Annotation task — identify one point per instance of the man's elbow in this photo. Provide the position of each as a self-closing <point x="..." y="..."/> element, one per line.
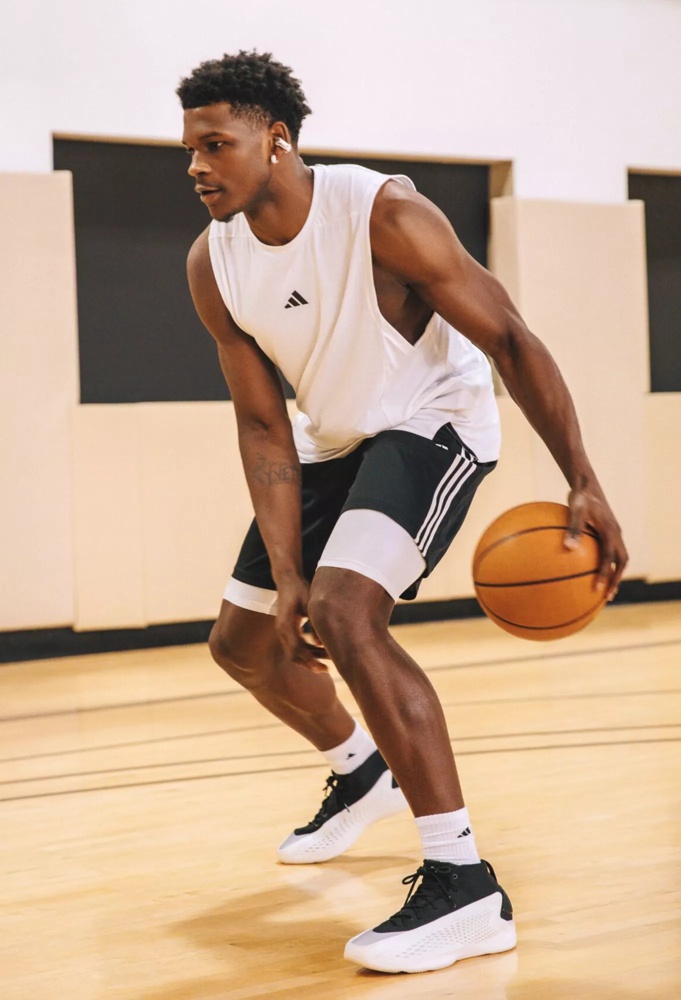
<point x="511" y="343"/>
<point x="263" y="427"/>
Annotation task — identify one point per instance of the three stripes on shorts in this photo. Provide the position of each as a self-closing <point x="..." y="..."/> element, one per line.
<point x="461" y="469"/>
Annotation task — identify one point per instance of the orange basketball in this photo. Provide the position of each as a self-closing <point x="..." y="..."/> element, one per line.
<point x="528" y="582"/>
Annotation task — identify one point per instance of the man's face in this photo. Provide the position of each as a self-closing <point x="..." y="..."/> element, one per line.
<point x="230" y="159"/>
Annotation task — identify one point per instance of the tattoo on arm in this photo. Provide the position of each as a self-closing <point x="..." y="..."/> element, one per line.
<point x="269" y="473"/>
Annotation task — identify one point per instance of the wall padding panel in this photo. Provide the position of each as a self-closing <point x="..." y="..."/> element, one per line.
<point x="580" y="273"/>
<point x="38" y="390"/>
<point x="663" y="426"/>
<point x="162" y="507"/>
<point x="109" y="530"/>
<point x="196" y="507"/>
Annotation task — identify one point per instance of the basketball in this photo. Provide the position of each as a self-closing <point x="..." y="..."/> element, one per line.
<point x="528" y="582"/>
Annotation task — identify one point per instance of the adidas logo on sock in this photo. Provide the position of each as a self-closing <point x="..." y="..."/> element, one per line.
<point x="295" y="299"/>
<point x="464" y="833"/>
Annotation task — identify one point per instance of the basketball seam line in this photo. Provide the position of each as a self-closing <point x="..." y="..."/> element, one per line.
<point x="529" y="531"/>
<point x="540" y="628"/>
<point x="532" y="583"/>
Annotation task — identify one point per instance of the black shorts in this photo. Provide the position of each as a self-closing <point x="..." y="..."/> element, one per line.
<point x="425" y="486"/>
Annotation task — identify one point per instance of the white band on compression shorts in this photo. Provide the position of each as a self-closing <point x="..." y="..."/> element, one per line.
<point x="374" y="545"/>
<point x="364" y="541"/>
<point x="251" y="598"/>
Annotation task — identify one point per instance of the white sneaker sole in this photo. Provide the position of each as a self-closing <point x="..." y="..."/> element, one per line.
<point x="476" y="929"/>
<point x="341" y="831"/>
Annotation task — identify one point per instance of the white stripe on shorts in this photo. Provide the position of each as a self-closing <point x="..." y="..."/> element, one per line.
<point x="459" y="471"/>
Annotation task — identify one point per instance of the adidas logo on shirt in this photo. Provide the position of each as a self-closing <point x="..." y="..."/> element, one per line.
<point x="296" y="299"/>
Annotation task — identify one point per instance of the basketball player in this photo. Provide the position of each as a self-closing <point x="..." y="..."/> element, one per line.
<point x="357" y="289"/>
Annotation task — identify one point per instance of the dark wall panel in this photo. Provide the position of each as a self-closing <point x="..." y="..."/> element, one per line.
<point x="662" y="197"/>
<point x="136" y="215"/>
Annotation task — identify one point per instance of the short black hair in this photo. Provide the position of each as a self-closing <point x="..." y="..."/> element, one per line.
<point x="254" y="84"/>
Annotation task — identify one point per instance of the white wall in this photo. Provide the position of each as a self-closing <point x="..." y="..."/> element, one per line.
<point x="573" y="91"/>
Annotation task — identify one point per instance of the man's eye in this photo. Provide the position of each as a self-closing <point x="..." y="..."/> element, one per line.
<point x="214" y="146"/>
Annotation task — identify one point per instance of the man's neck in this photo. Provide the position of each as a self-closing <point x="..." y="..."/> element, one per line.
<point x="283" y="213"/>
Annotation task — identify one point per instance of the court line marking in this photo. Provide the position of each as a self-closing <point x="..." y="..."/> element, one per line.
<point x="310" y="750"/>
<point x="317" y="765"/>
<point x="524" y="699"/>
<point x="140" y="743"/>
<point x="543" y="657"/>
<point x="568" y="654"/>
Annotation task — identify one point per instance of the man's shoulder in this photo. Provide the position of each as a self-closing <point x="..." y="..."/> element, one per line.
<point x="397" y="205"/>
<point x="356" y="174"/>
<point x="199" y="253"/>
<point x="351" y="189"/>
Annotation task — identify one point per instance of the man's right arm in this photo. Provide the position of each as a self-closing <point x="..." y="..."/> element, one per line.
<point x="266" y="444"/>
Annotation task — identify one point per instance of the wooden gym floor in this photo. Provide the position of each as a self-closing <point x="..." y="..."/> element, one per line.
<point x="143" y="795"/>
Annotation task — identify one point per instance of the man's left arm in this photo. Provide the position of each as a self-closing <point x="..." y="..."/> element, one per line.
<point x="413" y="240"/>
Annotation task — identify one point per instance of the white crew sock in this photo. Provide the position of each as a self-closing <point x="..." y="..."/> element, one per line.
<point x="448" y="837"/>
<point x="348" y="756"/>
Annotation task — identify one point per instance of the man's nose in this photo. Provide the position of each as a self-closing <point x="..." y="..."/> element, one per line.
<point x="196" y="167"/>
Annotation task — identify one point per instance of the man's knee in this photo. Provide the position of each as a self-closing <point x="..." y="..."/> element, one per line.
<point x="220" y="644"/>
<point x="347" y="610"/>
<point x="329" y="614"/>
<point x="239" y="651"/>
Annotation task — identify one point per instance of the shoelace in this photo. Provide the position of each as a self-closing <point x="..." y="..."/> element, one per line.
<point x="332" y="793"/>
<point x="436" y="883"/>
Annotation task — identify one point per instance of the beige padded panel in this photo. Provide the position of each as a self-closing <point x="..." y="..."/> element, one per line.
<point x="581" y="277"/>
<point x="161" y="511"/>
<point x="196" y="507"/>
<point x="504" y="259"/>
<point x="663" y="427"/>
<point x="38" y="389"/>
<point x="109" y="535"/>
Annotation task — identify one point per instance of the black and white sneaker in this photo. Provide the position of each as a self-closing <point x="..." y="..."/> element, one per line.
<point x="352" y="803"/>
<point x="458" y="911"/>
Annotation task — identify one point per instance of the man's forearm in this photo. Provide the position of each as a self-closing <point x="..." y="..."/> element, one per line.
<point x="273" y="475"/>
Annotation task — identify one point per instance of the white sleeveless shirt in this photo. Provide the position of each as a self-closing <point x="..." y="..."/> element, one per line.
<point x="311" y="306"/>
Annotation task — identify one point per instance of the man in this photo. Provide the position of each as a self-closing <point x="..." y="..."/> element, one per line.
<point x="358" y="290"/>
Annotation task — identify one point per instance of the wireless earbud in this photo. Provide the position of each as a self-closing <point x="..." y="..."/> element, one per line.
<point x="283" y="144"/>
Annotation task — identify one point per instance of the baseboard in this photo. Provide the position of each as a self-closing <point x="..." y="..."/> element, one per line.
<point x="42" y="644"/>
